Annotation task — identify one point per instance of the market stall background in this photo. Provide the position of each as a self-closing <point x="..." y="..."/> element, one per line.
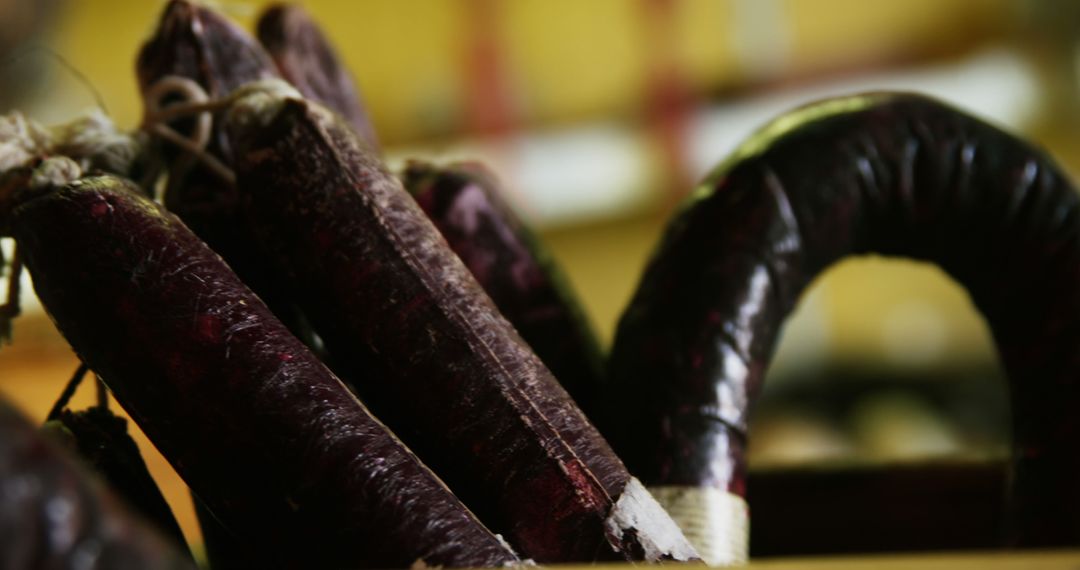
<point x="599" y="117"/>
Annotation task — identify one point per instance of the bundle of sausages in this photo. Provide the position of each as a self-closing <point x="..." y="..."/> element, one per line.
<point x="349" y="371"/>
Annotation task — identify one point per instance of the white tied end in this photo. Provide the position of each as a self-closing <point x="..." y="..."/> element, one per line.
<point x="94" y="141"/>
<point x="54" y="172"/>
<point x="21" y="140"/>
<point x="251" y="103"/>
<point x="715" y="521"/>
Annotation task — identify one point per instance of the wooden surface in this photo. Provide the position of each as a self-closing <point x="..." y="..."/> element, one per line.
<point x="962" y="561"/>
<point x="1042" y="560"/>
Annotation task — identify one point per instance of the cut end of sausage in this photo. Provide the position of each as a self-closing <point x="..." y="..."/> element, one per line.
<point x="637" y="521"/>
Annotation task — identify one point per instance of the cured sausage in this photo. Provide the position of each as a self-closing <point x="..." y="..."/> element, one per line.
<point x="306" y="59"/>
<point x="464" y="202"/>
<point x="425" y="346"/>
<point x="263" y="433"/>
<point x="895" y="174"/>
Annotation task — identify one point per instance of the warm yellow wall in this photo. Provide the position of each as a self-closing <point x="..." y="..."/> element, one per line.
<point x="566" y="59"/>
<point x="852" y="30"/>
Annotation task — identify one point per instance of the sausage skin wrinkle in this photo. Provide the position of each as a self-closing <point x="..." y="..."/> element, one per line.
<point x="464" y="202"/>
<point x="433" y="356"/>
<point x="895" y="174"/>
<point x="263" y="433"/>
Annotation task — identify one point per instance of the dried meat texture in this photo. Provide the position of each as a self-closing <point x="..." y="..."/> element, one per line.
<point x="465" y="203"/>
<point x="195" y="42"/>
<point x="424" y="344"/>
<point x="263" y="433"/>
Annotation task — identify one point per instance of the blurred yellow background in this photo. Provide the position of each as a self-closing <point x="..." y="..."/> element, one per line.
<point x="568" y="60"/>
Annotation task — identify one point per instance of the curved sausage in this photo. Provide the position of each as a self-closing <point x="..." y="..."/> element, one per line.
<point x="895" y="174"/>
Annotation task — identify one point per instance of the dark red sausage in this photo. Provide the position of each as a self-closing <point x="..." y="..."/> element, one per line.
<point x="885" y="173"/>
<point x="54" y="515"/>
<point x="195" y="42"/>
<point x="431" y="353"/>
<point x="306" y="59"/>
<point x="261" y="431"/>
<point x="520" y="276"/>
